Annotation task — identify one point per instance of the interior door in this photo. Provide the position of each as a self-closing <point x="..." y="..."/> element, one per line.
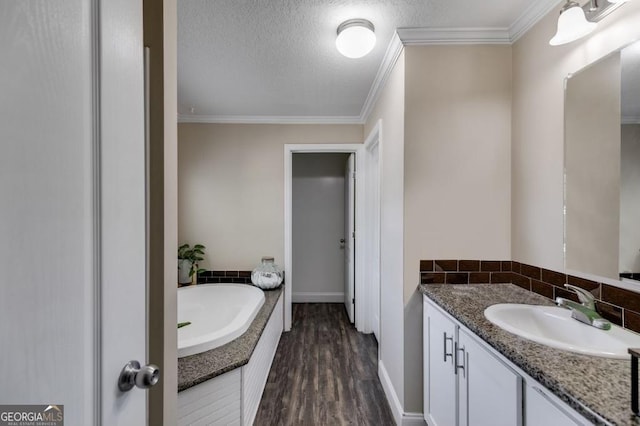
<point x="72" y="215"/>
<point x="349" y="236"/>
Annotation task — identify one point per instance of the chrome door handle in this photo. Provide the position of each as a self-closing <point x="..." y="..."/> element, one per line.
<point x="445" y="338"/>
<point x="142" y="377"/>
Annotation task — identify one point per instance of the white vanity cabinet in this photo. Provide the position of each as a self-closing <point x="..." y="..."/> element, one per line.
<point x="544" y="409"/>
<point x="464" y="383"/>
<point x="468" y="383"/>
<point x="440" y="391"/>
<point x="490" y="393"/>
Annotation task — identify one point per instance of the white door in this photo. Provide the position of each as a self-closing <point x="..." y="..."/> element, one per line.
<point x="349" y="236"/>
<point x="72" y="206"/>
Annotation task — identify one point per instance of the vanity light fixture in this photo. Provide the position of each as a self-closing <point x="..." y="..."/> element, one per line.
<point x="577" y="21"/>
<point x="572" y="24"/>
<point x="356" y="38"/>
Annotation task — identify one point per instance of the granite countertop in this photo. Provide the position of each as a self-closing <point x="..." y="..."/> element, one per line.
<point x="198" y="368"/>
<point x="597" y="388"/>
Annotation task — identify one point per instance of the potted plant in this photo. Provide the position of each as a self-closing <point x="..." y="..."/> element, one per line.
<point x="188" y="258"/>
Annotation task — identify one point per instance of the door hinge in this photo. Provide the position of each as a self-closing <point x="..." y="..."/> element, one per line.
<point x="353" y="301"/>
<point x="354" y="175"/>
<point x="353" y="234"/>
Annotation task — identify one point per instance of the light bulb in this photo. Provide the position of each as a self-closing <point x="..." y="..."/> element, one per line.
<point x="355" y="38"/>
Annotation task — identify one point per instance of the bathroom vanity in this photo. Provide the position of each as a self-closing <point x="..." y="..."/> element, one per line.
<point x="477" y="373"/>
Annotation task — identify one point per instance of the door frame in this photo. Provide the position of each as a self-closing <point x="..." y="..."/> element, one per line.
<point x="371" y="228"/>
<point x="289" y="150"/>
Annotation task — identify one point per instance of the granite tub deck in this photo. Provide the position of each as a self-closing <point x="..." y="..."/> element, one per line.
<point x="597" y="388"/>
<point x="198" y="368"/>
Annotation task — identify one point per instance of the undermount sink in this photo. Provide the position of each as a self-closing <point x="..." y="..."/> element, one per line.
<point x="553" y="326"/>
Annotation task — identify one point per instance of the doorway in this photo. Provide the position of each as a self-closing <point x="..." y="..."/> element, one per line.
<point x="323" y="221"/>
<point x="292" y="283"/>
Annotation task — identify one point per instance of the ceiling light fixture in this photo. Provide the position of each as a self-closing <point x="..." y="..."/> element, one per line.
<point x="356" y="38"/>
<point x="572" y="24"/>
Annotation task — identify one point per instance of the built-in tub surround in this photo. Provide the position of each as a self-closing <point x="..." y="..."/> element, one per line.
<point x="618" y="305"/>
<point x="224" y="385"/>
<point x="199" y="368"/>
<point x="597" y="388"/>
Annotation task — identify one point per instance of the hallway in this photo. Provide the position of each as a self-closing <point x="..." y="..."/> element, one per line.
<point x="324" y="373"/>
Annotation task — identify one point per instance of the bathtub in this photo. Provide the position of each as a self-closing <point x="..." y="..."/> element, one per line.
<point x="218" y="314"/>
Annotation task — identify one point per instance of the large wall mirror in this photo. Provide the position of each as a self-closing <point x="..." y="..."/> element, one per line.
<point x="602" y="167"/>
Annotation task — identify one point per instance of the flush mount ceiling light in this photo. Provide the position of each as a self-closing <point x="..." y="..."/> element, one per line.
<point x="572" y="24"/>
<point x="356" y="38"/>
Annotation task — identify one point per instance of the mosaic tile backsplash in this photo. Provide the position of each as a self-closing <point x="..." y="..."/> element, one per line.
<point x="620" y="306"/>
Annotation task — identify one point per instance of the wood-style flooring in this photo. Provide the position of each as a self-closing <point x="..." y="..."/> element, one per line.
<point x="324" y="373"/>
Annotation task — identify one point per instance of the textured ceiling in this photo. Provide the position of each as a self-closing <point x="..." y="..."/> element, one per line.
<point x="277" y="58"/>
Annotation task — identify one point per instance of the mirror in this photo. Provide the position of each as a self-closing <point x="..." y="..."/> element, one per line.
<point x="602" y="167"/>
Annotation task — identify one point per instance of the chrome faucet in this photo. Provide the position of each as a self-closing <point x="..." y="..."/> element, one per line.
<point x="585" y="311"/>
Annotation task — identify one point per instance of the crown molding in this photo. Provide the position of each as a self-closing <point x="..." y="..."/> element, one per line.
<point x="530" y="17"/>
<point x="428" y="36"/>
<point x="394" y="49"/>
<point x="262" y="119"/>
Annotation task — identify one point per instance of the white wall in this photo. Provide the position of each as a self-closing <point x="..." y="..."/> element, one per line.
<point x="592" y="164"/>
<point x="457" y="201"/>
<point x="318" y="222"/>
<point x="630" y="199"/>
<point x="538" y="131"/>
<point x="390" y="109"/>
<point x="231" y="187"/>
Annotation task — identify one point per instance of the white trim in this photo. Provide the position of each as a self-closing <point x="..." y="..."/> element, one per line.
<point x="318" y="297"/>
<point x="428" y="36"/>
<point x="390" y="393"/>
<point x="530" y="17"/>
<point x="366" y="314"/>
<point x="265" y="119"/>
<point x="413" y="419"/>
<point x="394" y="49"/>
<point x="289" y="150"/>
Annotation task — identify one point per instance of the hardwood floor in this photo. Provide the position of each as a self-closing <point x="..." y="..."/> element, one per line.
<point x="324" y="373"/>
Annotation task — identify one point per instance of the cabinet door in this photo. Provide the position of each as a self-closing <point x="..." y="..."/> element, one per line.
<point x="490" y="392"/>
<point x="439" y="380"/>
<point x="540" y="410"/>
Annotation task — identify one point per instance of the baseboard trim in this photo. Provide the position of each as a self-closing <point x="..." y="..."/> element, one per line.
<point x="318" y="297"/>
<point x="390" y="393"/>
<point x="413" y="419"/>
<point x="401" y="418"/>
